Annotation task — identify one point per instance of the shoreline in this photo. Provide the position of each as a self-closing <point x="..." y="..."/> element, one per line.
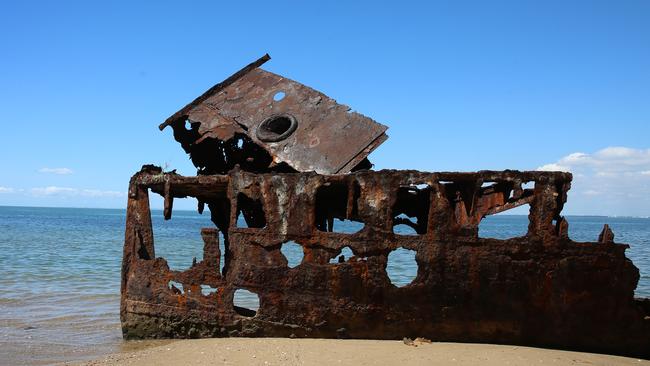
<point x="285" y="351"/>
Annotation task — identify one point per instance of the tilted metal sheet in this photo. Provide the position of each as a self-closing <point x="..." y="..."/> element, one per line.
<point x="329" y="137"/>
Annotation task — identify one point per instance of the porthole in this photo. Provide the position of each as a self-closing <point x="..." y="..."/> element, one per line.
<point x="277" y="128"/>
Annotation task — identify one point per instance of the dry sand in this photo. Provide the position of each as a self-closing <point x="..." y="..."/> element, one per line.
<point x="281" y="351"/>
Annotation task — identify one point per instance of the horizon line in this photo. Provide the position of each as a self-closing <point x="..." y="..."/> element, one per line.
<point x="187" y="210"/>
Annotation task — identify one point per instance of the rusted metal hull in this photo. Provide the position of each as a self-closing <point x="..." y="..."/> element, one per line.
<point x="541" y="289"/>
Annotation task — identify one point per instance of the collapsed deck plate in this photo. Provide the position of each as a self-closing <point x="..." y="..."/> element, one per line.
<point x="296" y="124"/>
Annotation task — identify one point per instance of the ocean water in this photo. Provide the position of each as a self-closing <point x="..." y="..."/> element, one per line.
<point x="59" y="289"/>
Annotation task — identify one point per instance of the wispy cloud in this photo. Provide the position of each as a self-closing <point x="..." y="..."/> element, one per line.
<point x="100" y="193"/>
<point x="608" y="162"/>
<point x="6" y="190"/>
<point x="57" y="171"/>
<point x="618" y="176"/>
<point x="52" y="190"/>
<point x="67" y="191"/>
<point x="554" y="167"/>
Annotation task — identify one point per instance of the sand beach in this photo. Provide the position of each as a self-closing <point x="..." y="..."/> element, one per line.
<point x="282" y="351"/>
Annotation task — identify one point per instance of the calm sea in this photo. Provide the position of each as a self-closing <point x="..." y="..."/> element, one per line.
<point x="59" y="289"/>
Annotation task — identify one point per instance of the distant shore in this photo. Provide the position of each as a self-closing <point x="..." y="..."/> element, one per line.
<point x="159" y="209"/>
<point x="280" y="351"/>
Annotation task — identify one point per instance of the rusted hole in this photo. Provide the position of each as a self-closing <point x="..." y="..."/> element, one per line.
<point x="176" y="287"/>
<point x="404" y="229"/>
<point x="183" y="132"/>
<point x="246" y="303"/>
<point x="222" y="248"/>
<point x="277" y="128"/>
<point x="240" y="221"/>
<point x="402" y="267"/>
<point x="505" y="188"/>
<point x="293" y="252"/>
<point x="486" y="186"/>
<point x="250" y="212"/>
<point x="143" y="253"/>
<point x="279" y="96"/>
<point x="411" y="210"/>
<point x="346" y="226"/>
<point x="519" y="190"/>
<point x="344" y="255"/>
<point x="528" y="185"/>
<point x="332" y="200"/>
<point x="503" y="225"/>
<point x="207" y="290"/>
<point x="179" y="240"/>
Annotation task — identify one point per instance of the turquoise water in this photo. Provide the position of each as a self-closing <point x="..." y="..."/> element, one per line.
<point x="59" y="297"/>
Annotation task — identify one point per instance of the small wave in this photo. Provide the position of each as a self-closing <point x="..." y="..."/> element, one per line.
<point x="10" y="301"/>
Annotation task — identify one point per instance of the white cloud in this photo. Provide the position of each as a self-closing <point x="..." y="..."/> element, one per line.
<point x="6" y="190"/>
<point x="57" y="171"/>
<point x="611" y="161"/>
<point x="618" y="176"/>
<point x="52" y="190"/>
<point x="619" y="152"/>
<point x="66" y="191"/>
<point x="576" y="158"/>
<point x="100" y="193"/>
<point x="554" y="168"/>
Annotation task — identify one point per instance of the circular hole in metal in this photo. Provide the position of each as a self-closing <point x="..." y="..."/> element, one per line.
<point x="276" y="128"/>
<point x="279" y="96"/>
<point x="402" y="268"/>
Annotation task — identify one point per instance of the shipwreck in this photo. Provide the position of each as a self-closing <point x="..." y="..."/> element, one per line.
<point x="293" y="162"/>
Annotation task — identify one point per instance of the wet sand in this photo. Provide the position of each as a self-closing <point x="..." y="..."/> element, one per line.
<point x="281" y="351"/>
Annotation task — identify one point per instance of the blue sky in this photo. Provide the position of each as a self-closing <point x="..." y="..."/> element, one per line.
<point x="462" y="85"/>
